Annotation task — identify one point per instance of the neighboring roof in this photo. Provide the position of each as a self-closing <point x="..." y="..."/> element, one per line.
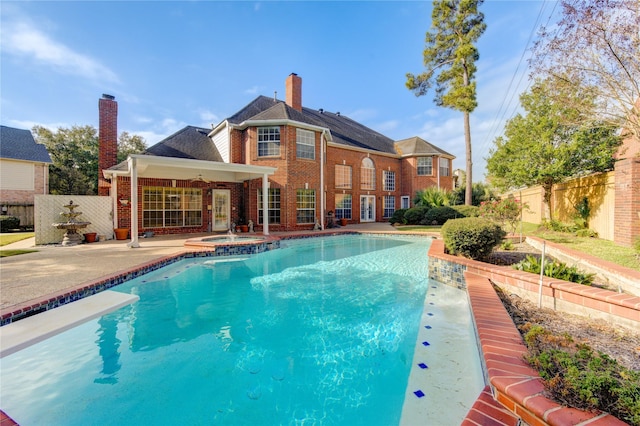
<point x="343" y="129"/>
<point x="190" y="142"/>
<point x="418" y="146"/>
<point x="18" y="144"/>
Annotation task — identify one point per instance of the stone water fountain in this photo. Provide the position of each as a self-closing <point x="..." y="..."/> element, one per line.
<point x="71" y="226"/>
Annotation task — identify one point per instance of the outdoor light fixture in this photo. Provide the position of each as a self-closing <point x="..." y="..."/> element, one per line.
<point x="124" y="201"/>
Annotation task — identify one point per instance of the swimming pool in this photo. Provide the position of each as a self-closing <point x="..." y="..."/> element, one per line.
<point x="320" y="331"/>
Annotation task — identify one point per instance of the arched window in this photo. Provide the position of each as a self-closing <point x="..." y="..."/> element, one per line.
<point x="367" y="174"/>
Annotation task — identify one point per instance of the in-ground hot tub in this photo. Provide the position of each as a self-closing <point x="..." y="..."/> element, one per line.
<point x="233" y="244"/>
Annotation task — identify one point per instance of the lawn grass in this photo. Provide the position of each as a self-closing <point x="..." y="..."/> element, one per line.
<point x="14" y="237"/>
<point x="418" y="228"/>
<point x="602" y="249"/>
<point x="15" y="252"/>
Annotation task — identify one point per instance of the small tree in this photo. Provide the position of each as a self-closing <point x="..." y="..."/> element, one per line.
<point x="432" y="197"/>
<point x="506" y="212"/>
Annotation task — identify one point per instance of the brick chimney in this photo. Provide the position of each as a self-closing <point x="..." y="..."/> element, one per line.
<point x="107" y="139"/>
<point x="293" y="87"/>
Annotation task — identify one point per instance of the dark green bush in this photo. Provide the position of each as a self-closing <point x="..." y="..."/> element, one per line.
<point x="9" y="223"/>
<point x="471" y="237"/>
<point x="439" y="215"/>
<point x="554" y="269"/>
<point x="577" y="376"/>
<point x="467" y="211"/>
<point x="398" y="217"/>
<point x="414" y="215"/>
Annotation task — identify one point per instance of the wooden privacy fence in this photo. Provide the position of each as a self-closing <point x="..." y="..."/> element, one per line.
<point x="24" y="212"/>
<point x="599" y="189"/>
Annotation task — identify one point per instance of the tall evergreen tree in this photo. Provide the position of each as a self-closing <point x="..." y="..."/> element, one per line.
<point x="449" y="58"/>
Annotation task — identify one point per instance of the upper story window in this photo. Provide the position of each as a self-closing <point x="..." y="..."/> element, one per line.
<point x="425" y="166"/>
<point x="367" y="174"/>
<point x="444" y="167"/>
<point x="268" y="141"/>
<point x="343" y="176"/>
<point x="305" y="144"/>
<point x="389" y="178"/>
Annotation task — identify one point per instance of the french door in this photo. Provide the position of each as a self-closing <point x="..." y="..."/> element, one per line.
<point x="221" y="209"/>
<point x="367" y="208"/>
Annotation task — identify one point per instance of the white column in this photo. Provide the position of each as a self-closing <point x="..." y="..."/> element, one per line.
<point x="265" y="204"/>
<point x="133" y="169"/>
<point x="322" y="200"/>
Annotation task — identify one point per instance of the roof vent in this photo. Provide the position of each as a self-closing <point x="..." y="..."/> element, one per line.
<point x="338" y="113"/>
<point x="275" y="96"/>
<point x="321" y="111"/>
<point x="110" y="97"/>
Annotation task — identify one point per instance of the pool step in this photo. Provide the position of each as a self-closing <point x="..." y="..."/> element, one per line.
<point x="26" y="332"/>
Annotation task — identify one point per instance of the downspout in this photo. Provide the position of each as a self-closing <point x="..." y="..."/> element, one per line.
<point x="265" y="204"/>
<point x="114" y="200"/>
<point x="323" y="203"/>
<point x="438" y="169"/>
<point x="133" y="168"/>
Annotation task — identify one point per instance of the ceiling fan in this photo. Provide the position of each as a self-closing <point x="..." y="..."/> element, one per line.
<point x="199" y="178"/>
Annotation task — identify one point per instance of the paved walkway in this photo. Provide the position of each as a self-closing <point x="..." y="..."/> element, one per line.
<point x="53" y="269"/>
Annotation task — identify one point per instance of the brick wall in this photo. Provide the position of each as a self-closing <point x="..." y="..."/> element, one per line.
<point x="627" y="201"/>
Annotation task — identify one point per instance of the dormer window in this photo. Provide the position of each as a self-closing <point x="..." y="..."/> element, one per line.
<point x="268" y="141"/>
<point x="305" y="144"/>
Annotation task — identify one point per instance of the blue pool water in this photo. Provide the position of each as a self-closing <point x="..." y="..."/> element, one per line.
<point x="320" y="331"/>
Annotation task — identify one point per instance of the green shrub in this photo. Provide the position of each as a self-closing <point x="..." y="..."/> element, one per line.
<point x="414" y="215"/>
<point x="506" y="245"/>
<point x="577" y="376"/>
<point x="439" y="215"/>
<point x="467" y="211"/>
<point x="9" y="223"/>
<point x="471" y="237"/>
<point x="398" y="217"/>
<point x="554" y="269"/>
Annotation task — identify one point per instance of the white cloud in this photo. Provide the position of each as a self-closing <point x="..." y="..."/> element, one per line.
<point x="252" y="90"/>
<point x="208" y="118"/>
<point x="21" y="38"/>
<point x="28" y="125"/>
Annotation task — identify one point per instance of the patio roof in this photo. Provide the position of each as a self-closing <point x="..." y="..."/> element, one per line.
<point x="152" y="166"/>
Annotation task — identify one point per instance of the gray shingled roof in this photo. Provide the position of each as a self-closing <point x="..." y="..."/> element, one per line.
<point x="343" y="129"/>
<point x="189" y="142"/>
<point x="417" y="146"/>
<point x="18" y="144"/>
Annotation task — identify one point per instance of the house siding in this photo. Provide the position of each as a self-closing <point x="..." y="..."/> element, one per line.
<point x="22" y="180"/>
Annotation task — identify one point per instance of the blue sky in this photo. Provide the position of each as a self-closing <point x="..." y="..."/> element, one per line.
<point x="176" y="63"/>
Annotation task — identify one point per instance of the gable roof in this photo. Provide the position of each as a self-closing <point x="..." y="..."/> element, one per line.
<point x="343" y="130"/>
<point x="417" y="146"/>
<point x="18" y="144"/>
<point x="190" y="142"/>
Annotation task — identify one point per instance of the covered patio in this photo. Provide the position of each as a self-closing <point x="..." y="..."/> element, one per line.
<point x="140" y="166"/>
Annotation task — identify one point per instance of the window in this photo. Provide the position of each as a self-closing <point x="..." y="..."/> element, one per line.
<point x="268" y="141"/>
<point x="305" y="144"/>
<point x="343" y="176"/>
<point x="389" y="180"/>
<point x="367" y="174"/>
<point x="171" y="207"/>
<point x="444" y="167"/>
<point x="343" y="206"/>
<point x="306" y="206"/>
<point x="425" y="166"/>
<point x="389" y="206"/>
<point x="404" y="202"/>
<point x="274" y="206"/>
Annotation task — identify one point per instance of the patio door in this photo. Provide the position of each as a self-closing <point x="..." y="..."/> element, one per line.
<point x="221" y="209"/>
<point x="367" y="208"/>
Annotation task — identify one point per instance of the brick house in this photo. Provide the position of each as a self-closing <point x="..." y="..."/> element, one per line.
<point x="24" y="173"/>
<point x="316" y="166"/>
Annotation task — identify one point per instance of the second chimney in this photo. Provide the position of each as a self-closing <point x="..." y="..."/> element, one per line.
<point x="107" y="139"/>
<point x="293" y="87"/>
